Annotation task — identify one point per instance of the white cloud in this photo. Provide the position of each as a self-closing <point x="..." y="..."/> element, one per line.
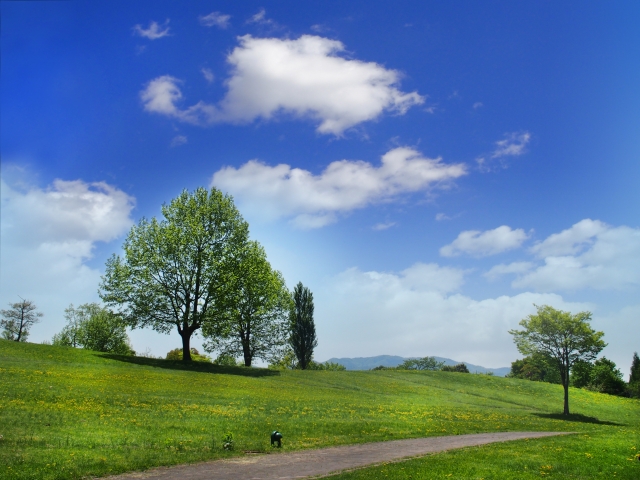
<point x="511" y="268"/>
<point x="482" y="244"/>
<point x="588" y="255"/>
<point x="383" y="226"/>
<point x="416" y="313"/>
<point x="260" y="18"/>
<point x="178" y="140"/>
<point x="477" y="105"/>
<point x="161" y="95"/>
<point x="305" y="77"/>
<point x="208" y="75"/>
<point x="571" y="240"/>
<point x="343" y="186"/>
<point x="215" y="19"/>
<point x="48" y="235"/>
<point x="154" y="31"/>
<point x="513" y="144"/>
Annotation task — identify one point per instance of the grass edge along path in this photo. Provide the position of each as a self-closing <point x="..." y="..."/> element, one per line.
<point x="325" y="461"/>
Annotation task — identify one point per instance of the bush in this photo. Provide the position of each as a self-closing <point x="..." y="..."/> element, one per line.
<point x="176" y="354"/>
<point x="460" y="368"/>
<point x="606" y="378"/>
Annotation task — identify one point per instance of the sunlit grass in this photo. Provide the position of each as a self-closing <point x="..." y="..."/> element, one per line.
<point x="67" y="413"/>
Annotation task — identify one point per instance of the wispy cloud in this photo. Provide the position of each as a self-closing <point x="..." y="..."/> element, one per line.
<point x="154" y="31"/>
<point x="383" y="226"/>
<point x="477" y="105"/>
<point x="178" y="140"/>
<point x="314" y="200"/>
<point x="483" y="244"/>
<point x="208" y="75"/>
<point x="215" y="19"/>
<point x="261" y="18"/>
<point x="513" y="144"/>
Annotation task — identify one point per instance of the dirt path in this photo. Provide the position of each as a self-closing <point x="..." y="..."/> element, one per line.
<point x="315" y="463"/>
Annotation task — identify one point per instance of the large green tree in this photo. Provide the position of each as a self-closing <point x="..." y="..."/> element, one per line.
<point x="302" y="338"/>
<point x="253" y="311"/>
<point x="563" y="337"/>
<point x="171" y="272"/>
<point x="18" y="320"/>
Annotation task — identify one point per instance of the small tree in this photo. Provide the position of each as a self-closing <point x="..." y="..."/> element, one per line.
<point x="171" y="272"/>
<point x="252" y="308"/>
<point x="536" y="367"/>
<point x="425" y="363"/>
<point x="607" y="378"/>
<point x="562" y="336"/>
<point x="460" y="368"/>
<point x="94" y="327"/>
<point x="634" y="376"/>
<point x="303" y="329"/>
<point x="18" y="320"/>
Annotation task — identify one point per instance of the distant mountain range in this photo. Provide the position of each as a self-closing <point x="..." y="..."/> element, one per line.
<point x="367" y="363"/>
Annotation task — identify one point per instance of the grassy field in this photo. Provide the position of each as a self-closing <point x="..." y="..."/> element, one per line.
<point x="68" y="413"/>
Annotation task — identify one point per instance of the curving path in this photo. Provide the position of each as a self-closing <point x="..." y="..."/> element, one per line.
<point x="315" y="463"/>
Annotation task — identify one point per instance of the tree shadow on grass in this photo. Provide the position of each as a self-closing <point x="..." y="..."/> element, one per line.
<point x="192" y="366"/>
<point x="576" y="417"/>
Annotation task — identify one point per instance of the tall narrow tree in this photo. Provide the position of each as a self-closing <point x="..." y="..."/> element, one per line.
<point x="634" y="377"/>
<point x="303" y="329"/>
<point x="171" y="271"/>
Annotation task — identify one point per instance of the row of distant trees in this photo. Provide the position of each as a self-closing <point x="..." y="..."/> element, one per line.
<point x="426" y="364"/>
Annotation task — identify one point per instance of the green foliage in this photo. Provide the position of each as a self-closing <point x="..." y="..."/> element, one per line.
<point x="634" y="376"/>
<point x="303" y="329"/>
<point x="536" y="367"/>
<point x="69" y="413"/>
<point x="564" y="337"/>
<point x="252" y="308"/>
<point x="425" y="363"/>
<point x="172" y="271"/>
<point x="225" y="359"/>
<point x="18" y="320"/>
<point x="607" y="378"/>
<point x="227" y="441"/>
<point x="328" y="366"/>
<point x="196" y="356"/>
<point x="286" y="361"/>
<point x="93" y="327"/>
<point x="581" y="374"/>
<point x="460" y="368"/>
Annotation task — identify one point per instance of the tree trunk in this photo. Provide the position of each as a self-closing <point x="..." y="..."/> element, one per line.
<point x="186" y="345"/>
<point x="566" y="398"/>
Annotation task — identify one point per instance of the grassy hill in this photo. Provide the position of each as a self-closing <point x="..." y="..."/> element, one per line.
<point x="68" y="413"/>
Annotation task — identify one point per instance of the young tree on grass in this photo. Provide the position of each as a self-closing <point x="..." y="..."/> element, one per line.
<point x="18" y="320"/>
<point x="303" y="329"/>
<point x="94" y="327"/>
<point x="253" y="308"/>
<point x="171" y="271"/>
<point x="564" y="337"/>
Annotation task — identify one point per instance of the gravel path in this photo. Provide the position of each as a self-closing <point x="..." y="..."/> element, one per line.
<point x="315" y="463"/>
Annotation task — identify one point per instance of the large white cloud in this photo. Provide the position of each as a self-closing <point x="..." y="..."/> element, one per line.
<point x="588" y="255"/>
<point x="305" y="77"/>
<point x="416" y="312"/>
<point x="48" y="235"/>
<point x="481" y="244"/>
<point x="313" y="200"/>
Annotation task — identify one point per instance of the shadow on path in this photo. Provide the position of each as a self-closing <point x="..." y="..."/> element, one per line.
<point x="193" y="366"/>
<point x="576" y="417"/>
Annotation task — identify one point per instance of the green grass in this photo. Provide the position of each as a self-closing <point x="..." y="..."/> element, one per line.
<point x="68" y="413"/>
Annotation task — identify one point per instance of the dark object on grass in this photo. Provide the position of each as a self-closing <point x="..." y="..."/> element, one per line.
<point x="461" y="368"/>
<point x="276" y="437"/>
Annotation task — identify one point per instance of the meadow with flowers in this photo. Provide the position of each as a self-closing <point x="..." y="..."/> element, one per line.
<point x="69" y="413"/>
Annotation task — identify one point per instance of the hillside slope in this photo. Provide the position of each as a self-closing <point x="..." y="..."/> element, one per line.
<point x="68" y="413"/>
<point x="367" y="363"/>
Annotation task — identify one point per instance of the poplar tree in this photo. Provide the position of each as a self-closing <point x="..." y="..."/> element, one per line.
<point x="303" y="329"/>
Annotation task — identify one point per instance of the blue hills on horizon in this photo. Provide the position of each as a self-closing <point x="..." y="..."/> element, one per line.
<point x="367" y="363"/>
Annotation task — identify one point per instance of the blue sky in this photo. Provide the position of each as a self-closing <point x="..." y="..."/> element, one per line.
<point x="429" y="169"/>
